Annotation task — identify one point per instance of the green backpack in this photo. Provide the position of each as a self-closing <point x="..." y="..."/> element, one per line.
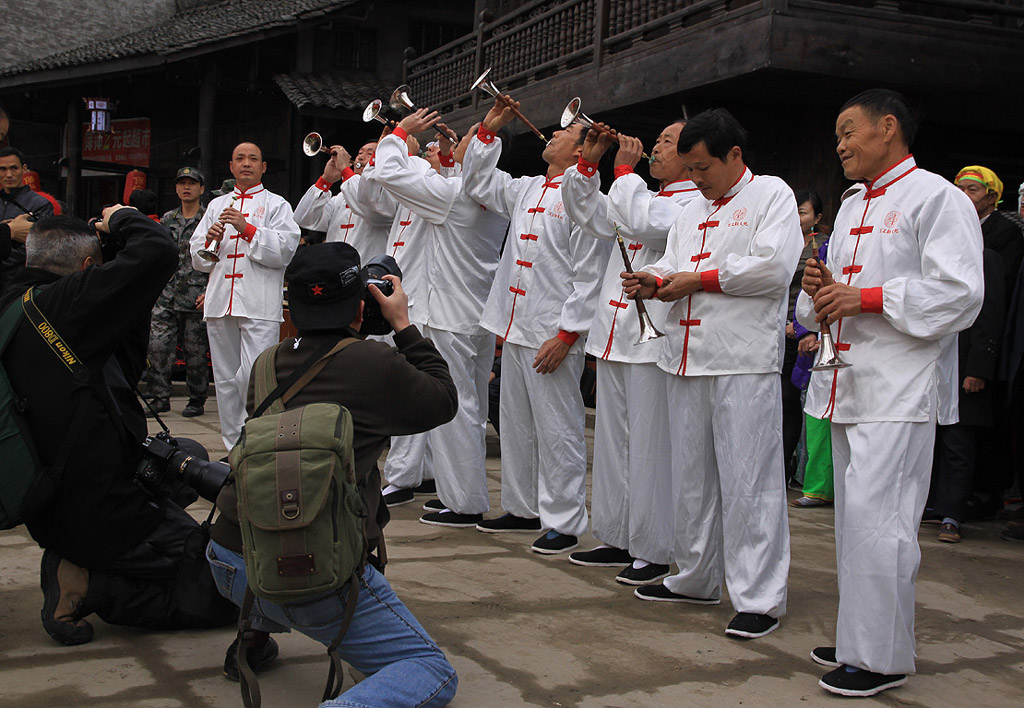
<point x="299" y="509"/>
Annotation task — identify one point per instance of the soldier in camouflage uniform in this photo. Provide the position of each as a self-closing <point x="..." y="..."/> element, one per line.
<point x="179" y="308"/>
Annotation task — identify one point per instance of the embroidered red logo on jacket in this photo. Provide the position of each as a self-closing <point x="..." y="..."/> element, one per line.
<point x="740" y="214"/>
<point x="892" y="220"/>
<point x="557" y="211"/>
<point x="260" y="211"/>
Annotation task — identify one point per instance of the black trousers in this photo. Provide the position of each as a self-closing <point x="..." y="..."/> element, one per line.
<point x="956" y="454"/>
<point x="156" y="584"/>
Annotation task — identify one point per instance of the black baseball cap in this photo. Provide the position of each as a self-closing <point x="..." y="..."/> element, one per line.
<point x="190" y="173"/>
<point x="324" y="287"/>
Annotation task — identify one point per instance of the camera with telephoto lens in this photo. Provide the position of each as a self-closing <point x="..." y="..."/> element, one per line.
<point x="164" y="462"/>
<point x="373" y="274"/>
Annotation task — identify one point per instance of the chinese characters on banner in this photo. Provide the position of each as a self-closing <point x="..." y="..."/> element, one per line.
<point x="128" y="144"/>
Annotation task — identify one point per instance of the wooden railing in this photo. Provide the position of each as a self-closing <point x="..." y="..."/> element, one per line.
<point x="546" y="37"/>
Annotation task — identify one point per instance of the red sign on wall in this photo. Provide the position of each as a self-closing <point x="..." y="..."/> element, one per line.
<point x="128" y="144"/>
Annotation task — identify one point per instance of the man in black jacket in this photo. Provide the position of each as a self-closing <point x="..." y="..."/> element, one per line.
<point x="110" y="547"/>
<point x="15" y="199"/>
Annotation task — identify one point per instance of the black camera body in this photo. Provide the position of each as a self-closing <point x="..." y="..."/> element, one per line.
<point x="373" y="274"/>
<point x="163" y="463"/>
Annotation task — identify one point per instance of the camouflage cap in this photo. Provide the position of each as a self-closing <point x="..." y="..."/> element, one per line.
<point x="191" y="173"/>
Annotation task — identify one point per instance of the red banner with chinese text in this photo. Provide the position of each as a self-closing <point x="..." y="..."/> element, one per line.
<point x="128" y="144"/>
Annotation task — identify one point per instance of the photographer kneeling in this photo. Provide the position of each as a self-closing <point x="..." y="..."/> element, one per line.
<point x="111" y="547"/>
<point x="388" y="392"/>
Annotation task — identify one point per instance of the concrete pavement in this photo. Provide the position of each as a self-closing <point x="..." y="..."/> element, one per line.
<point x="529" y="630"/>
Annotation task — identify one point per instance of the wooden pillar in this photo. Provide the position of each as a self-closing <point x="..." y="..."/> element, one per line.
<point x="207" y="101"/>
<point x="600" y="31"/>
<point x="72" y="189"/>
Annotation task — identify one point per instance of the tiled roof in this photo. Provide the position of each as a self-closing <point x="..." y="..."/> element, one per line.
<point x="187" y="29"/>
<point x="331" y="90"/>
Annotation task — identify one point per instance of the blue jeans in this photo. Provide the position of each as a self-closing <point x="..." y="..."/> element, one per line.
<point x="403" y="665"/>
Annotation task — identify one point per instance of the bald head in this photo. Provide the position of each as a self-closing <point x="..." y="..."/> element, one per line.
<point x="247" y="165"/>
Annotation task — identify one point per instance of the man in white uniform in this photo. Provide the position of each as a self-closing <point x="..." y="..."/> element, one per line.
<point x="463" y="241"/>
<point x="255" y="235"/>
<point x="319" y="211"/>
<point x="541" y="302"/>
<point x="729" y="261"/>
<point x="633" y="515"/>
<point x="906" y="258"/>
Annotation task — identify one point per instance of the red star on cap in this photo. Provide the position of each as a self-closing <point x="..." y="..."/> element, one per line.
<point x="317" y="290"/>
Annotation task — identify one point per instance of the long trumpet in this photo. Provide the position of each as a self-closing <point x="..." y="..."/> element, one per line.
<point x="211" y="249"/>
<point x="488" y="87"/>
<point x="573" y="114"/>
<point x="372" y="112"/>
<point x="401" y="101"/>
<point x="647" y="329"/>
<point x="828" y="354"/>
<point x="313" y="145"/>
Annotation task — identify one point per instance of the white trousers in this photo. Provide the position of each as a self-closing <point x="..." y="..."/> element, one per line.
<point x="632" y="481"/>
<point x="543" y="451"/>
<point x="409" y="461"/>
<point x="882" y="473"/>
<point x="235" y="342"/>
<point x="729" y="490"/>
<point x="459" y="448"/>
<point x="652" y="513"/>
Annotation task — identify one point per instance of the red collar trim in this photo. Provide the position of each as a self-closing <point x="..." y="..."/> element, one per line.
<point x="255" y="189"/>
<point x="876" y="183"/>
<point x="551" y="183"/>
<point x="738" y="185"/>
<point x="688" y="186"/>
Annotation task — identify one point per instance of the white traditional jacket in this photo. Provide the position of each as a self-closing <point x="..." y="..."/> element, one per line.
<point x="319" y="211"/>
<point x="407" y="239"/>
<point x="463" y="238"/>
<point x="745" y="247"/>
<point x="644" y="219"/>
<point x="248" y="281"/>
<point x="912" y="241"/>
<point x="547" y="281"/>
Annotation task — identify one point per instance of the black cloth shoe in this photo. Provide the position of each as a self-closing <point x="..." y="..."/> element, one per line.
<point x="660" y="593"/>
<point x="64" y="591"/>
<point x="398" y="497"/>
<point x="508" y="523"/>
<point x="553" y="542"/>
<point x="435" y="505"/>
<point x="859" y="682"/>
<point x="196" y="407"/>
<point x="650" y="573"/>
<point x="602" y="557"/>
<point x="259" y="657"/>
<point x="451" y="518"/>
<point x="826" y="656"/>
<point x="747" y="625"/>
<point x="160" y="405"/>
<point x="427" y="487"/>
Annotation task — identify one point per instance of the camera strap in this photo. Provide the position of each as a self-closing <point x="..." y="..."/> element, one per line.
<point x="45" y="330"/>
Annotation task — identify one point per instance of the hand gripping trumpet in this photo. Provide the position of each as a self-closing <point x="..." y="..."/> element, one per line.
<point x="400" y="101"/>
<point x="488" y="87"/>
<point x="573" y="114"/>
<point x="828" y="354"/>
<point x="211" y="250"/>
<point x="647" y="329"/>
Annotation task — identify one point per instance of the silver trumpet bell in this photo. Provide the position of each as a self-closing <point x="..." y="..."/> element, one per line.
<point x="486" y="85"/>
<point x="313" y="145"/>
<point x="211" y="253"/>
<point x="372" y="112"/>
<point x="573" y="114"/>
<point x="400" y="99"/>
<point x="828" y="355"/>
<point x="648" y="331"/>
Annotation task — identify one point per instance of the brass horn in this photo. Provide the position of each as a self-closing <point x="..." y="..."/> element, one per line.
<point x="313" y="145"/>
<point x="573" y="113"/>
<point x="401" y="101"/>
<point x="828" y="354"/>
<point x="647" y="329"/>
<point x="488" y="87"/>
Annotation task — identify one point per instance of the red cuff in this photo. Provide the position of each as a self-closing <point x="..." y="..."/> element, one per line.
<point x="249" y="232"/>
<point x="485" y="136"/>
<point x="323" y="185"/>
<point x="568" y="337"/>
<point x="399" y="132"/>
<point x="709" y="281"/>
<point x="871" y="300"/>
<point x="658" y="282"/>
<point x="586" y="168"/>
<point x="447" y="160"/>
<point x="621" y="170"/>
<point x="346" y="173"/>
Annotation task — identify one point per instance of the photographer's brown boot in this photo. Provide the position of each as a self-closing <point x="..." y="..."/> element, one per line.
<point x="64" y="588"/>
